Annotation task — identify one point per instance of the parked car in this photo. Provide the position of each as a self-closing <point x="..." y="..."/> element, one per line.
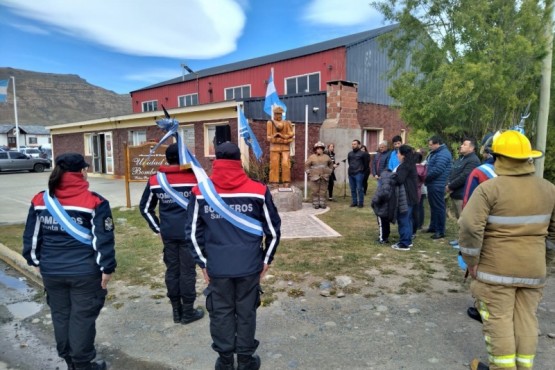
<point x="17" y="161"/>
<point x="32" y="152"/>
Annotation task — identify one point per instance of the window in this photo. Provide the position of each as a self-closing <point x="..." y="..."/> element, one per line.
<point x="136" y="137"/>
<point x="3" y="155"/>
<point x="87" y="139"/>
<point x="302" y="84"/>
<point x="238" y="92"/>
<point x="371" y="138"/>
<point x="17" y="155"/>
<point x="32" y="140"/>
<point x="150" y="106"/>
<point x="187" y="100"/>
<point x="209" y="136"/>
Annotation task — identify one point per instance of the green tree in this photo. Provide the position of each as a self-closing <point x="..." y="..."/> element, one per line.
<point x="474" y="64"/>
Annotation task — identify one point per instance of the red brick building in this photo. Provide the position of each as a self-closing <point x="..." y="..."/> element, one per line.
<point x="337" y="88"/>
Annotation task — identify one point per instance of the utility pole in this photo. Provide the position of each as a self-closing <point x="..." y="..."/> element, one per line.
<point x="545" y="91"/>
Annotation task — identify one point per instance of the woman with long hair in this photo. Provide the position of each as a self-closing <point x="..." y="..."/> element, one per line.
<point x="405" y="177"/>
<point x="69" y="238"/>
<point x="330" y="151"/>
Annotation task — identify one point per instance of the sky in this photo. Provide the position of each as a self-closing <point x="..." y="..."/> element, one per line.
<point x="125" y="45"/>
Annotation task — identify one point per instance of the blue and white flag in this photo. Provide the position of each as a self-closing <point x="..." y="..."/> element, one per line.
<point x="272" y="98"/>
<point x="246" y="133"/>
<point x="4" y="90"/>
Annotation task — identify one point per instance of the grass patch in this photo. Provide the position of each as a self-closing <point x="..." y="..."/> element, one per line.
<point x="305" y="262"/>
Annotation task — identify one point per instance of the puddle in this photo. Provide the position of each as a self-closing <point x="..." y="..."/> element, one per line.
<point x="22" y="310"/>
<point x="12" y="282"/>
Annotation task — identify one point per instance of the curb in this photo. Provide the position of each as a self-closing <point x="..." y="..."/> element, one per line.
<point x="17" y="262"/>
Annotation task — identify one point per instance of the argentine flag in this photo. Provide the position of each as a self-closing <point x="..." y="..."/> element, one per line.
<point x="3" y="90"/>
<point x="272" y="98"/>
<point x="247" y="134"/>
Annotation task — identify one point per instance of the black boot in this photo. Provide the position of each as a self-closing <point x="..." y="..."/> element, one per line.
<point x="177" y="310"/>
<point x="69" y="363"/>
<point x="247" y="362"/>
<point x="224" y="362"/>
<point x="191" y="314"/>
<point x="95" y="365"/>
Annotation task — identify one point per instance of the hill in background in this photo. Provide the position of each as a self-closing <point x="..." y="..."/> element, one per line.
<point x="49" y="99"/>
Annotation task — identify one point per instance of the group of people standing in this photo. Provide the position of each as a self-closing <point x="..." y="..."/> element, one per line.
<point x="69" y="238"/>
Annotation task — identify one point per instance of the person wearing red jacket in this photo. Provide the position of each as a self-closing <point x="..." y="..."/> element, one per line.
<point x="233" y="257"/>
<point x="169" y="189"/>
<point x="75" y="265"/>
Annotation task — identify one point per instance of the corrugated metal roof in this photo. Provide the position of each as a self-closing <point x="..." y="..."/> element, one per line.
<point x="344" y="41"/>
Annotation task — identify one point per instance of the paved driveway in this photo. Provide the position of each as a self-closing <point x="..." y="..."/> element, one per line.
<point x="17" y="189"/>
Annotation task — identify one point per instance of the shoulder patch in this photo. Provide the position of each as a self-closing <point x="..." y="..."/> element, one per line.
<point x="108" y="224"/>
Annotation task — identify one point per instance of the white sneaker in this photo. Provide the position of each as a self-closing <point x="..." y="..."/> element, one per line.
<point x="401" y="247"/>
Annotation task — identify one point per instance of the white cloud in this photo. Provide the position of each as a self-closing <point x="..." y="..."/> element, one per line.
<point x="30" y="29"/>
<point x="169" y="28"/>
<point x="341" y="13"/>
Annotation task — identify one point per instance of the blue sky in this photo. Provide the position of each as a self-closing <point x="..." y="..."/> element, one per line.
<point x="125" y="45"/>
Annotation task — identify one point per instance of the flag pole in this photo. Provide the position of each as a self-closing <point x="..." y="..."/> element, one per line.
<point x="272" y="73"/>
<point x="15" y="114"/>
<point x="305" y="149"/>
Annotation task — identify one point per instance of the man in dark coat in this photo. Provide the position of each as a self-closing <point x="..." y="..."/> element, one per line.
<point x="459" y="173"/>
<point x="439" y="168"/>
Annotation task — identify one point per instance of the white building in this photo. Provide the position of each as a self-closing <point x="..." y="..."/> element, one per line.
<point x="29" y="135"/>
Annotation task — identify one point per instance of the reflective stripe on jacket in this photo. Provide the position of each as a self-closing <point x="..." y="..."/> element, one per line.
<point x="508" y="228"/>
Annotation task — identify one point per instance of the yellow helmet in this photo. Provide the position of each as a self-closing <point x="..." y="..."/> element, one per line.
<point x="513" y="144"/>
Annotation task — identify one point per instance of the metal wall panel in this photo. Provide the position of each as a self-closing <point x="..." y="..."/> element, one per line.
<point x="254" y="108"/>
<point x="367" y="65"/>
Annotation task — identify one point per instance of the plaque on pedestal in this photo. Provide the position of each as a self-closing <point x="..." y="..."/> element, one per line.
<point x="287" y="199"/>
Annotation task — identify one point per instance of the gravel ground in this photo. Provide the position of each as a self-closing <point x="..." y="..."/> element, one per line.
<point x="416" y="331"/>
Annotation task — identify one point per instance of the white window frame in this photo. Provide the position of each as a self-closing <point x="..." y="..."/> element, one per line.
<point x="233" y="91"/>
<point x="135" y="136"/>
<point x="209" y="135"/>
<point x="190" y="98"/>
<point x="152" y="105"/>
<point x="297" y="82"/>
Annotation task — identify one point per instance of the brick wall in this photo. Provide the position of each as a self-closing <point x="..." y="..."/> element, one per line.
<point x="381" y="116"/>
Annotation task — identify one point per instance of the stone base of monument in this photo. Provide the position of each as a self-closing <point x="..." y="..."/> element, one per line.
<point x="287" y="199"/>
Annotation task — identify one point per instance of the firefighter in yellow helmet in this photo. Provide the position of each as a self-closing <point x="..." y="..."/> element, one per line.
<point x="507" y="239"/>
<point x="280" y="135"/>
<point x="319" y="167"/>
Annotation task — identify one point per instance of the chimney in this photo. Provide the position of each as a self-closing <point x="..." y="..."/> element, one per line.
<point x="342" y="103"/>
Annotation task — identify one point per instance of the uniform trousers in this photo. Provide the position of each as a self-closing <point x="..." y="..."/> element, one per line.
<point x="318" y="189"/>
<point x="232" y="304"/>
<point x="181" y="275"/>
<point x="510" y="325"/>
<point x="75" y="303"/>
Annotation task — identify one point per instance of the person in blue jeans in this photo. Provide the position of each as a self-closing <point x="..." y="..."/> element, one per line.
<point x="405" y="177"/>
<point x="439" y="168"/>
<point x="358" y="163"/>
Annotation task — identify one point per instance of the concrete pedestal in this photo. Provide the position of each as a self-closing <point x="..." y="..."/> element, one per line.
<point x="287" y="199"/>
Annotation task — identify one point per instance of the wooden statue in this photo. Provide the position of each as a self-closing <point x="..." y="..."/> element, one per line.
<point x="280" y="135"/>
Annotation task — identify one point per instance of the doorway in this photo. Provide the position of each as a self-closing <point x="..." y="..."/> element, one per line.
<point x="102" y="153"/>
